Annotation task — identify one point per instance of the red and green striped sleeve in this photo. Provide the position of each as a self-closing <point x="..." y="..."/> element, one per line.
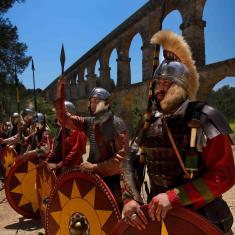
<point x="218" y="177"/>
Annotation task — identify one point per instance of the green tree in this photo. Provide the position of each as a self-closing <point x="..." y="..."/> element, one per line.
<point x="6" y="4"/>
<point x="12" y="52"/>
<point x="224" y="100"/>
<point x="13" y="60"/>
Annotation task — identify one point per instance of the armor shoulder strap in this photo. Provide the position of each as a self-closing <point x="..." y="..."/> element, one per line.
<point x="201" y="115"/>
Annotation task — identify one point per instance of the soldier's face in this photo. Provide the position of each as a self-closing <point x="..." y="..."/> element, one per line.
<point x="93" y="104"/>
<point x="161" y="88"/>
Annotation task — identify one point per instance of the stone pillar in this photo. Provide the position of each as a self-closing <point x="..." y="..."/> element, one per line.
<point x="123" y="71"/>
<point x="104" y="80"/>
<point x="73" y="87"/>
<point x="91" y="81"/>
<point x="104" y="72"/>
<point x="81" y="84"/>
<point x="193" y="33"/>
<point x="147" y="62"/>
<point x="193" y="30"/>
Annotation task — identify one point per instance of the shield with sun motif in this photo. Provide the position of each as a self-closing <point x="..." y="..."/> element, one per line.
<point x="81" y="204"/>
<point x="179" y="221"/>
<point x="8" y="156"/>
<point x="45" y="180"/>
<point x="20" y="187"/>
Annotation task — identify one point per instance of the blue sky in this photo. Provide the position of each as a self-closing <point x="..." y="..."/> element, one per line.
<point x="80" y="24"/>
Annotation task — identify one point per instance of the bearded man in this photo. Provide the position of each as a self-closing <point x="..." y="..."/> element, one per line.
<point x="107" y="135"/>
<point x="186" y="145"/>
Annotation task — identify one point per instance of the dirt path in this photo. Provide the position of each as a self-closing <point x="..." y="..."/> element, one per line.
<point x="13" y="223"/>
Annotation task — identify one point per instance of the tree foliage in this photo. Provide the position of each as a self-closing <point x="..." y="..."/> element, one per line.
<point x="224" y="100"/>
<point x="13" y="57"/>
<point x="5" y="5"/>
<point x="13" y="61"/>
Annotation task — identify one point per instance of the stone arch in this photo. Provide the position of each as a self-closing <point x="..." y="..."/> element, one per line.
<point x="211" y="74"/>
<point x="85" y="73"/>
<point x="175" y="16"/>
<point x="81" y="83"/>
<point x="91" y="76"/>
<point x="97" y="68"/>
<point x="129" y="38"/>
<point x="112" y="62"/>
<point x="136" y="56"/>
<point x="229" y="80"/>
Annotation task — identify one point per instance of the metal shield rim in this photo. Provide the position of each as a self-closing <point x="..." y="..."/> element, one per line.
<point x="94" y="178"/>
<point x="44" y="165"/>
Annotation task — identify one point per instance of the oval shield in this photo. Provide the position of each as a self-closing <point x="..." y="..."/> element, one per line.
<point x="179" y="221"/>
<point x="20" y="187"/>
<point x="81" y="204"/>
<point x="8" y="156"/>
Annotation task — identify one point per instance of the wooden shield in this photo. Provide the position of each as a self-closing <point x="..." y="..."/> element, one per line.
<point x="81" y="204"/>
<point x="45" y="180"/>
<point x="20" y="187"/>
<point x="180" y="221"/>
<point x="8" y="156"/>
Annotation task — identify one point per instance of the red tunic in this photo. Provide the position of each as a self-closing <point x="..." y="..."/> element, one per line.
<point x="218" y="177"/>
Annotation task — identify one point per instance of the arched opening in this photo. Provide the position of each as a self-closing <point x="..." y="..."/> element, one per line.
<point x="97" y="69"/>
<point x="135" y="53"/>
<point x="85" y="74"/>
<point x="113" y="65"/>
<point x="228" y="81"/>
<point x="173" y="21"/>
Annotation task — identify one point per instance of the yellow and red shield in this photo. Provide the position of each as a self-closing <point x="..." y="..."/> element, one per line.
<point x="8" y="156"/>
<point x="20" y="187"/>
<point x="81" y="204"/>
<point x="45" y="180"/>
<point x="179" y="221"/>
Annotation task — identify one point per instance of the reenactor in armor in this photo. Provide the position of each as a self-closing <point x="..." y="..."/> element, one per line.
<point x="13" y="140"/>
<point x="27" y="115"/>
<point x="107" y="135"/>
<point x="39" y="141"/>
<point x="3" y="134"/>
<point x="75" y="145"/>
<point x="8" y="127"/>
<point x="185" y="145"/>
<point x="21" y="125"/>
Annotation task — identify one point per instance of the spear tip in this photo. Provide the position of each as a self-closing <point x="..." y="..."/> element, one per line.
<point x="33" y="68"/>
<point x="62" y="58"/>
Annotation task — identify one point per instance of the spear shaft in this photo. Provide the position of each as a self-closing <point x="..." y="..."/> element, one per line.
<point x="35" y="96"/>
<point x="62" y="62"/>
<point x="17" y="91"/>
